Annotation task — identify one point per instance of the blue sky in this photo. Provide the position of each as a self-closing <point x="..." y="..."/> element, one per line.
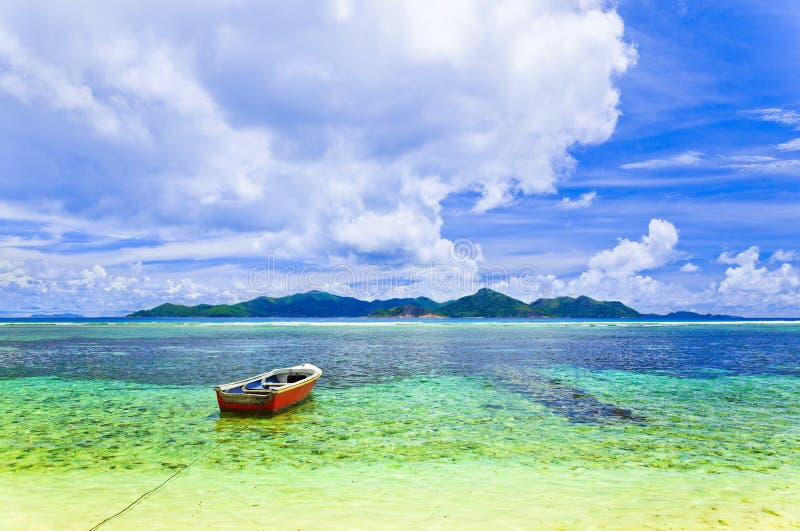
<point x="642" y="151"/>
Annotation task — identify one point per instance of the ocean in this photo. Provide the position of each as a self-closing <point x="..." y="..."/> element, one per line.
<point x="439" y="424"/>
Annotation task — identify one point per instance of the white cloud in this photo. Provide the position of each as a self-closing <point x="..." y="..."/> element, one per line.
<point x="750" y="158"/>
<point x="746" y="285"/>
<point x="90" y="277"/>
<point x="37" y="83"/>
<point x="792" y="145"/>
<point x="97" y="279"/>
<point x="615" y="273"/>
<point x="14" y="273"/>
<point x="784" y="256"/>
<point x="40" y="287"/>
<point x="185" y="288"/>
<point x="583" y="201"/>
<point x="746" y="163"/>
<point x="313" y="132"/>
<point x="773" y="166"/>
<point x="653" y="250"/>
<point x="745" y="257"/>
<point x="776" y="114"/>
<point x="687" y="158"/>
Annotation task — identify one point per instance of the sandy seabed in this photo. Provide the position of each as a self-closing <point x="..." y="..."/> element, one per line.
<point x="423" y="496"/>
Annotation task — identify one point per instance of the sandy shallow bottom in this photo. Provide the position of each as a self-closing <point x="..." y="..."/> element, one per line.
<point x="435" y="496"/>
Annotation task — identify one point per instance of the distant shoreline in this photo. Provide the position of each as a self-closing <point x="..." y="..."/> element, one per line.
<point x="485" y="303"/>
<point x="365" y="321"/>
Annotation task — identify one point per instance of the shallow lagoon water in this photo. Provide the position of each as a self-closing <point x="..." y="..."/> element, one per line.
<point x="436" y="424"/>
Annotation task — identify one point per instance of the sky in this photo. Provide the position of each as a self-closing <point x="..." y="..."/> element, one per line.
<point x="641" y="151"/>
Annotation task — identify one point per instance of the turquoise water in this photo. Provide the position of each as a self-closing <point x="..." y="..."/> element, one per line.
<point x="421" y="424"/>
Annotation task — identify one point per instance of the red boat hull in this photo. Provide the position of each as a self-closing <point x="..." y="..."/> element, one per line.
<point x="264" y="404"/>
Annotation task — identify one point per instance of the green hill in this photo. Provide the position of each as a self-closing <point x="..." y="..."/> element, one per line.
<point x="489" y="303"/>
<point x="309" y="304"/>
<point x="582" y="307"/>
<point x="486" y="303"/>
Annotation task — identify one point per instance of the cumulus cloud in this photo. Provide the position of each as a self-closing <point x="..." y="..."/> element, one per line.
<point x="90" y="277"/>
<point x="583" y="201"/>
<point x="745" y="257"/>
<point x="652" y="250"/>
<point x="98" y="278"/>
<point x="309" y="131"/>
<point x="41" y="287"/>
<point x="623" y="273"/>
<point x="748" y="288"/>
<point x="784" y="256"/>
<point x="687" y="158"/>
<point x="616" y="273"/>
<point x="14" y="273"/>
<point x="689" y="267"/>
<point x="750" y="285"/>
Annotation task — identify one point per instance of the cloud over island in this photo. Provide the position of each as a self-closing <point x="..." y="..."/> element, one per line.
<point x="363" y="118"/>
<point x="322" y="132"/>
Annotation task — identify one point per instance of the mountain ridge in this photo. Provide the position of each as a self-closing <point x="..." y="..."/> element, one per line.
<point x="483" y="303"/>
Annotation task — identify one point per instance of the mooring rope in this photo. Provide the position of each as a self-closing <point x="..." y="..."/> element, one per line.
<point x="175" y="474"/>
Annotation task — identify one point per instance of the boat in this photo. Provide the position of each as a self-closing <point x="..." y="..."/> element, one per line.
<point x="269" y="392"/>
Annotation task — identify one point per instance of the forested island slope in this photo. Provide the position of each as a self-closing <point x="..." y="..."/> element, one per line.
<point x="484" y="303"/>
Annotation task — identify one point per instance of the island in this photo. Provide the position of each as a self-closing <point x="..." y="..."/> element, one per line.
<point x="485" y="303"/>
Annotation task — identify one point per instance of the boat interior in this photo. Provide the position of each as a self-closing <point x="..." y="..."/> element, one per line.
<point x="271" y="381"/>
